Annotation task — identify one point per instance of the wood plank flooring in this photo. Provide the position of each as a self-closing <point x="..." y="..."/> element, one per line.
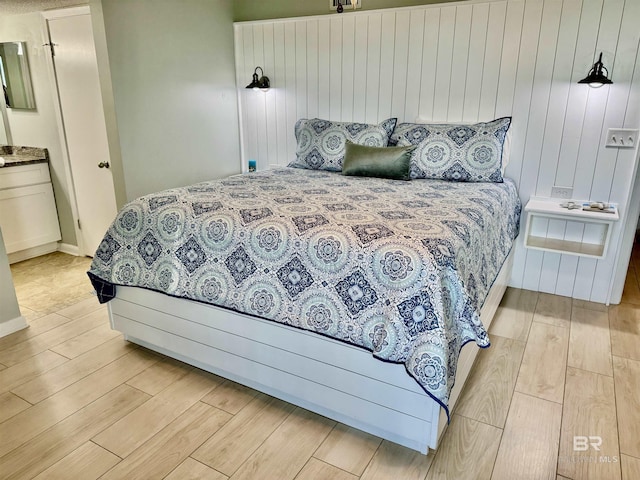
<point x="556" y="396"/>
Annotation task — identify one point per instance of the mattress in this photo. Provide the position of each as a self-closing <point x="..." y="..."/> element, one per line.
<point x="398" y="268"/>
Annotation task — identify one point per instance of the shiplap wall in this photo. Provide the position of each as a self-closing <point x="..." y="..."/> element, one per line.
<point x="467" y="61"/>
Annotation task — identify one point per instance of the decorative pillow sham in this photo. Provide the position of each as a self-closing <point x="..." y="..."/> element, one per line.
<point x="457" y="152"/>
<point x="321" y="143"/>
<point x="506" y="149"/>
<point x="381" y="162"/>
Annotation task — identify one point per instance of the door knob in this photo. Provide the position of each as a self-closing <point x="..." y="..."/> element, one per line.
<point x="103" y="165"/>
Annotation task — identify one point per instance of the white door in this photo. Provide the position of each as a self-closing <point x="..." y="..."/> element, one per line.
<point x="85" y="130"/>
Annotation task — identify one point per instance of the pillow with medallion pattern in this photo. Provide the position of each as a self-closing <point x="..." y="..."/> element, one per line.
<point x="456" y="152"/>
<point x="321" y="143"/>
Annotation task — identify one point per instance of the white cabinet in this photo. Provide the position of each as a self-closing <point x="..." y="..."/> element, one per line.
<point x="548" y="225"/>
<point x="28" y="214"/>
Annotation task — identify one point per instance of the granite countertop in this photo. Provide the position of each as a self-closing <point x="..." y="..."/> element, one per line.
<point x="15" y="156"/>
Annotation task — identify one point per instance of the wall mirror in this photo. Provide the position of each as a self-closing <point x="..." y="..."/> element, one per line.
<point x="15" y="76"/>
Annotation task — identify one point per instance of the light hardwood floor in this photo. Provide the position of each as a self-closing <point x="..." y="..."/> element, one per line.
<point x="79" y="402"/>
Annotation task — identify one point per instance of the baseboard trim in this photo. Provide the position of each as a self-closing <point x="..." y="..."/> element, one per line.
<point x="69" y="249"/>
<point x="13" y="325"/>
<point x="33" y="252"/>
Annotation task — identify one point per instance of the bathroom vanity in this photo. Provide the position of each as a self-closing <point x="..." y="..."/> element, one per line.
<point x="28" y="214"/>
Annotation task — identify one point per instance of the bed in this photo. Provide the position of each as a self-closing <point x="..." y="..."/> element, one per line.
<point x="349" y="296"/>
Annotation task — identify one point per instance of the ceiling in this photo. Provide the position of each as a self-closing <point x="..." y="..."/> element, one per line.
<point x="15" y="7"/>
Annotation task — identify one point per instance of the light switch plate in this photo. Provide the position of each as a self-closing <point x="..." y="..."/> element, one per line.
<point x="622" y="138"/>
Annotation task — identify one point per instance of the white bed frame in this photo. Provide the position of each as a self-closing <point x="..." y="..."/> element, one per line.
<point x="328" y="377"/>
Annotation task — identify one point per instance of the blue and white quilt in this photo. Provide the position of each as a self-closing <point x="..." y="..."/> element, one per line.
<point x="399" y="268"/>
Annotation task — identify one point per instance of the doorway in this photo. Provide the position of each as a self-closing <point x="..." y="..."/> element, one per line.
<point x="83" y="122"/>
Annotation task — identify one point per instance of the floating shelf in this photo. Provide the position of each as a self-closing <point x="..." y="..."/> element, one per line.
<point x="540" y="211"/>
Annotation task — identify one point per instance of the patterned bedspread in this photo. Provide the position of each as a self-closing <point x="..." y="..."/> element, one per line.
<point x="399" y="268"/>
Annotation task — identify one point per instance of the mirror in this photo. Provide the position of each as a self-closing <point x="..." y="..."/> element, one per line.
<point x="15" y="76"/>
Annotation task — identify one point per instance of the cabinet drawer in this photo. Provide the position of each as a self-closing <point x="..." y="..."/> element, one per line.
<point x="28" y="217"/>
<point x="23" y="175"/>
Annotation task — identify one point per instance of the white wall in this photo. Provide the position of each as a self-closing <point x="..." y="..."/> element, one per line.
<point x="38" y="128"/>
<point x="172" y="76"/>
<point x="468" y="61"/>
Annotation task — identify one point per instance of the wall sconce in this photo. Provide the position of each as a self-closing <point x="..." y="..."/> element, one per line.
<point x="597" y="75"/>
<point x="342" y="5"/>
<point x="259" y="83"/>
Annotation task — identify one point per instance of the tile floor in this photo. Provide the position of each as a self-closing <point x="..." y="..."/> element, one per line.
<point x="556" y="396"/>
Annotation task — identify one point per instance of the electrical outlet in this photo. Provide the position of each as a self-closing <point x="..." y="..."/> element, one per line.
<point x="561" y="192"/>
<point x="621" y="138"/>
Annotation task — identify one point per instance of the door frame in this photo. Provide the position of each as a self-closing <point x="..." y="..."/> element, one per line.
<point x="627" y="237"/>
<point x="46" y="16"/>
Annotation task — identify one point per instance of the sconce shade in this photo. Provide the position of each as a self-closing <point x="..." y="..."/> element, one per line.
<point x="598" y="75"/>
<point x="259" y="82"/>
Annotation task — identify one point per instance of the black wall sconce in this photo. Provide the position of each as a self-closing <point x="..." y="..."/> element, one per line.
<point x="261" y="82"/>
<point x="597" y="75"/>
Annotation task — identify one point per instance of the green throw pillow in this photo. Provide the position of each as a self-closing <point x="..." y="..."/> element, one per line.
<point x="382" y="162"/>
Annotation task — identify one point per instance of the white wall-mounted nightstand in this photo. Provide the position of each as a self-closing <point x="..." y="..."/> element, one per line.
<point x="549" y="228"/>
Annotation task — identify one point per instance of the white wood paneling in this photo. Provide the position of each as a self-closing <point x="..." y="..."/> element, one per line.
<point x="348" y="68"/>
<point x="374" y="63"/>
<point x="444" y="61"/>
<point x="414" y="68"/>
<point x="475" y="63"/>
<point x="400" y="63"/>
<point x="387" y="65"/>
<point x="290" y="85"/>
<point x="429" y="59"/>
<point x="360" y="64"/>
<point x="335" y="68"/>
<point x="301" y="73"/>
<point x="270" y="100"/>
<point x="277" y="77"/>
<point x="468" y="61"/>
<point x="459" y="63"/>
